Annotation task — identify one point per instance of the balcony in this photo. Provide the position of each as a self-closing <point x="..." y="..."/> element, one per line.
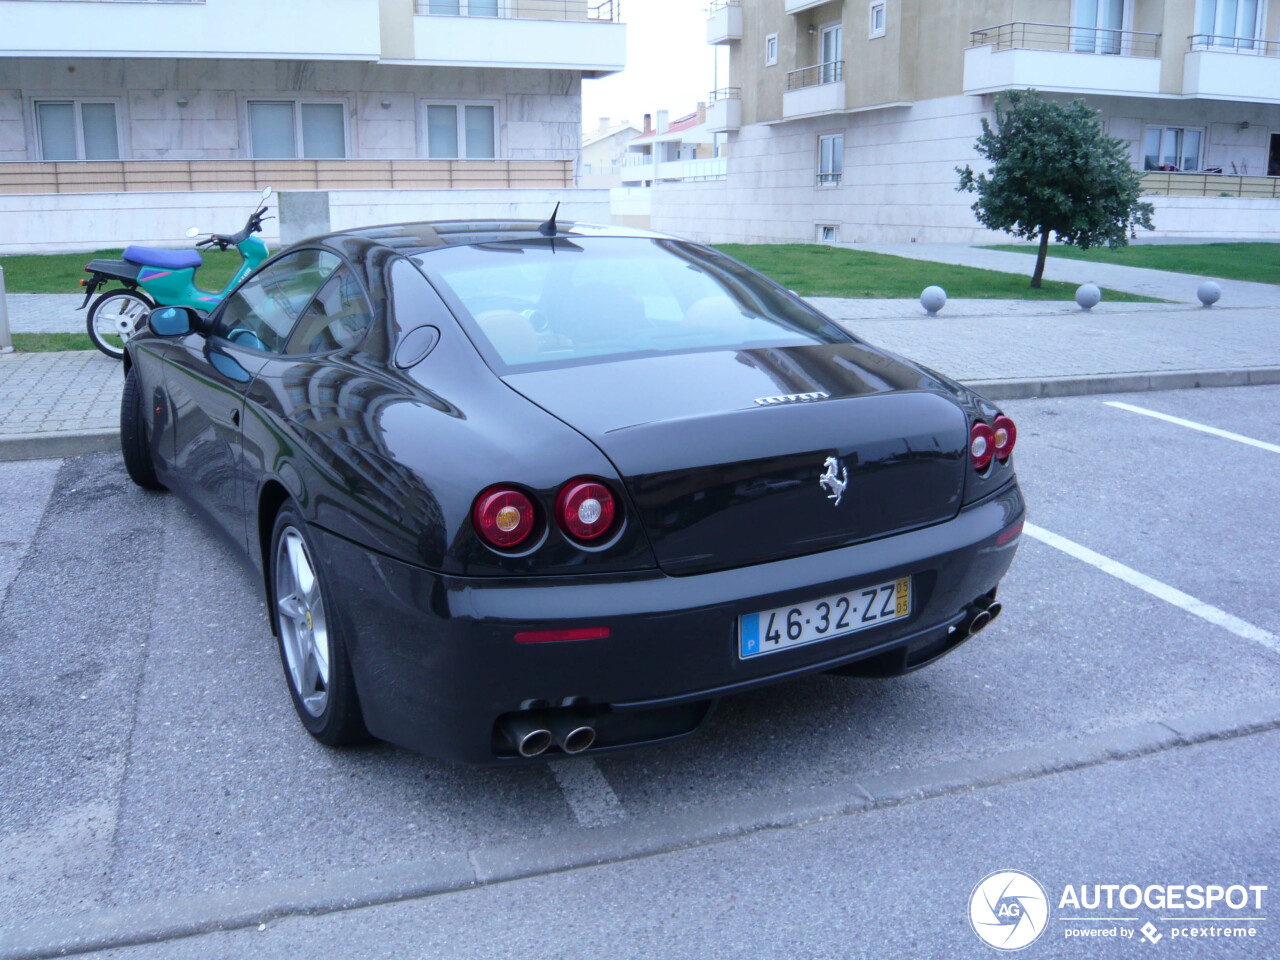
<point x="1209" y="185"/>
<point x="585" y="35"/>
<point x="725" y="23"/>
<point x="1232" y="68"/>
<point x="193" y="29"/>
<point x="799" y="6"/>
<point x="813" y="91"/>
<point x="724" y="110"/>
<point x="1062" y="59"/>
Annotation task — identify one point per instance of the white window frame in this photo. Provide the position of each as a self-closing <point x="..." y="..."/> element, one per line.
<point x="299" y="152"/>
<point x="883" y="7"/>
<point x="820" y="229"/>
<point x="1185" y="128"/>
<point x="77" y="102"/>
<point x="771" y="61"/>
<point x="829" y="174"/>
<point x="1100" y="37"/>
<point x="425" y="146"/>
<point x="1259" y="26"/>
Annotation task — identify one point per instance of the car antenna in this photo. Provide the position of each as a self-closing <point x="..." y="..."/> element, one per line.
<point x="548" y="229"/>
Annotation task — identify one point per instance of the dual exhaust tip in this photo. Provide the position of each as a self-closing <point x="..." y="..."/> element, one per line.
<point x="534" y="734"/>
<point x="983" y="617"/>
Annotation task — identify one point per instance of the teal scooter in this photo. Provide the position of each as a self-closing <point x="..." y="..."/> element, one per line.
<point x="149" y="278"/>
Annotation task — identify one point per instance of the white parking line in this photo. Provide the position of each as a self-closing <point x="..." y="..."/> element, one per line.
<point x="1191" y="424"/>
<point x="589" y="795"/>
<point x="1165" y="592"/>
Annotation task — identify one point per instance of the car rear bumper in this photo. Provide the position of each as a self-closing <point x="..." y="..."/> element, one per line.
<point x="436" y="663"/>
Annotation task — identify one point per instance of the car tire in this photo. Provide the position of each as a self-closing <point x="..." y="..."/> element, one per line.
<point x="317" y="669"/>
<point x="109" y="315"/>
<point x="133" y="436"/>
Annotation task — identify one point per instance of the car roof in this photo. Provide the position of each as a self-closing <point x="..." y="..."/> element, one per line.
<point x="412" y="239"/>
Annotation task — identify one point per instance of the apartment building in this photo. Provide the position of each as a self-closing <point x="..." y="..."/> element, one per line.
<point x="846" y="119"/>
<point x="604" y="150"/>
<point x="200" y="100"/>
<point x="670" y="151"/>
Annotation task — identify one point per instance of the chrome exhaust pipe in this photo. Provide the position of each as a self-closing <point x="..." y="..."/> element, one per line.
<point x="572" y="735"/>
<point x="979" y="621"/>
<point x="993" y="611"/>
<point x="528" y="734"/>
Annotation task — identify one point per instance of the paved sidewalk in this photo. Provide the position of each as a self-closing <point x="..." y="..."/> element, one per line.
<point x="46" y="313"/>
<point x="56" y="404"/>
<point x="1163" y="284"/>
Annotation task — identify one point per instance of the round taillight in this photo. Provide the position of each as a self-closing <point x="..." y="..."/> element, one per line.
<point x="503" y="517"/>
<point x="982" y="445"/>
<point x="585" y="509"/>
<point x="1006" y="435"/>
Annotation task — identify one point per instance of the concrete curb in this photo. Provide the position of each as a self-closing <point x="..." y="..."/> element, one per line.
<point x="159" y="921"/>
<point x="53" y="446"/>
<point x="1046" y="387"/>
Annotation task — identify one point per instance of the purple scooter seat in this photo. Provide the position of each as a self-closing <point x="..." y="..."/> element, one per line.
<point x="164" y="259"/>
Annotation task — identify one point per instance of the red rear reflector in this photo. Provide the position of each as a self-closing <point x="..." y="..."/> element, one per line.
<point x="558" y="636"/>
<point x="1011" y="534"/>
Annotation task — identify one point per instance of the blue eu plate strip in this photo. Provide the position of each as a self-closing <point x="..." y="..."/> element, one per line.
<point x="749" y="632"/>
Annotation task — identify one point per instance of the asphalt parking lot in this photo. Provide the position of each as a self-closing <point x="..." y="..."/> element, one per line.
<point x="154" y="781"/>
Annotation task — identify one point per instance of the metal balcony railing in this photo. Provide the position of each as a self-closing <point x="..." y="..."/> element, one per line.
<point x="1025" y="35"/>
<point x="1253" y="45"/>
<point x="1156" y="184"/>
<point x="718" y="5"/>
<point x="830" y="72"/>
<point x="602" y="10"/>
<point x="725" y="93"/>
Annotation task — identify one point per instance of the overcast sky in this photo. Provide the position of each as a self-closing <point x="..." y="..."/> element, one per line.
<point x="670" y="66"/>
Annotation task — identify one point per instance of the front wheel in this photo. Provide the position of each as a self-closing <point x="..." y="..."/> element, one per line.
<point x="314" y="657"/>
<point x="116" y="317"/>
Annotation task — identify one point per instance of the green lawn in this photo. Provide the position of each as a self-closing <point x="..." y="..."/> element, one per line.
<point x="1259" y="262"/>
<point x="812" y="270"/>
<point x="50" y="342"/>
<point x="61" y="272"/>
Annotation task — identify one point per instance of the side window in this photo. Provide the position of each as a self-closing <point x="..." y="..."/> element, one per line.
<point x="262" y="312"/>
<point x="337" y="318"/>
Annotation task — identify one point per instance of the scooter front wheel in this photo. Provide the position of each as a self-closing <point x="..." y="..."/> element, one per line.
<point x="116" y="317"/>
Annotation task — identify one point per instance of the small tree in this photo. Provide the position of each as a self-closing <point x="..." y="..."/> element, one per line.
<point x="1053" y="170"/>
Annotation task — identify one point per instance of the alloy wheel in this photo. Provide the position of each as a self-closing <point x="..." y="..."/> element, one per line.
<point x="303" y="629"/>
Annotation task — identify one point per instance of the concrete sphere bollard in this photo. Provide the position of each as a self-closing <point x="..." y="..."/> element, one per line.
<point x="1209" y="293"/>
<point x="1088" y="296"/>
<point x="933" y="299"/>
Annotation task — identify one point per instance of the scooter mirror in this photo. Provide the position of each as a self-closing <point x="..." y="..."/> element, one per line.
<point x="266" y="193"/>
<point x="193" y="232"/>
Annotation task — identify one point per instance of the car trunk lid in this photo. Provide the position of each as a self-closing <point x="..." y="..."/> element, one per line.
<point x="725" y="453"/>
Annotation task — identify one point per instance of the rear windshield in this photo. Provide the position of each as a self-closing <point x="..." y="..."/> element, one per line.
<point x="567" y="300"/>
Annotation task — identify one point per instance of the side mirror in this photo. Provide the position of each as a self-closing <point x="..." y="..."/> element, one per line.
<point x="266" y="194"/>
<point x="193" y="232"/>
<point x="173" y="321"/>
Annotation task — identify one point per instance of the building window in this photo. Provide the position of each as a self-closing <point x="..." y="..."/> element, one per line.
<point x="827" y="233"/>
<point x="771" y="50"/>
<point x="289" y="129"/>
<point x="77" y="130"/>
<point x="1171" y="148"/>
<point x="458" y="131"/>
<point x="878" y="18"/>
<point x="1230" y="23"/>
<point x="460" y="8"/>
<point x="830" y="159"/>
<point x="832" y="50"/>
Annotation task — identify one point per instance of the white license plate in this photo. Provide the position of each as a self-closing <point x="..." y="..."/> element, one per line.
<point x="837" y="616"/>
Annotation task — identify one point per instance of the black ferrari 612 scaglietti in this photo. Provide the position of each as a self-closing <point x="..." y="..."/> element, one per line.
<point x="516" y="488"/>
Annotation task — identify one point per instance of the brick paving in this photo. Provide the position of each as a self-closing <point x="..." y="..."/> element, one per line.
<point x="46" y="313"/>
<point x="69" y="392"/>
